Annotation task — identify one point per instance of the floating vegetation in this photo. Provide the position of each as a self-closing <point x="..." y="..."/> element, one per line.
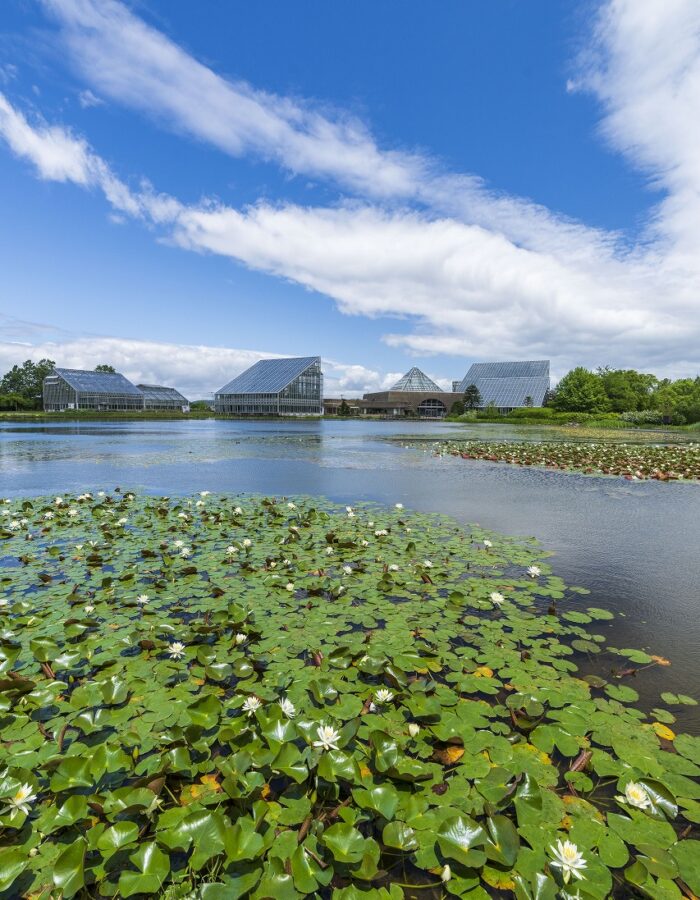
<point x="221" y="698"/>
<point x="631" y="461"/>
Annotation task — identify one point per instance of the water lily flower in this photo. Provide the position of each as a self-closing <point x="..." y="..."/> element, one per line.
<point x="14" y="525"/>
<point x="182" y="515"/>
<point x="231" y="550"/>
<point x="58" y="501"/>
<point x="348" y="570"/>
<point x="185" y="552"/>
<point x="328" y="737"/>
<point x="381" y="532"/>
<point x="364" y="543"/>
<point x="237" y="510"/>
<point x="286" y="562"/>
<point x="351" y="515"/>
<point x="329" y="551"/>
<point x="635" y="795"/>
<point x="569" y="859"/>
<point x="383" y="696"/>
<point x="446" y="874"/>
<point x="4" y="601"/>
<point x="247" y="542"/>
<point x="393" y="567"/>
<point x="48" y="515"/>
<point x="289" y="586"/>
<point x="89" y="608"/>
<point x="291" y="506"/>
<point x="199" y="503"/>
<point x="176" y="650"/>
<point x="129" y="496"/>
<point x="24" y="522"/>
<point x="496" y="598"/>
<point x="204" y="493"/>
<point x="488" y="544"/>
<point x="20" y="801"/>
<point x="178" y="544"/>
<point x="370" y="524"/>
<point x="348" y="509"/>
<point x="287" y="707"/>
<point x="413" y="729"/>
<point x="251" y="704"/>
<point x="142" y="599"/>
<point x="428" y="564"/>
<point x="240" y="638"/>
<point x="100" y="493"/>
<point x="73" y="512"/>
<point x="122" y="521"/>
<point x="534" y="571"/>
<point x="398" y="505"/>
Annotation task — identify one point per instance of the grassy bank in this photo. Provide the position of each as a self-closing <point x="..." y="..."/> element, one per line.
<point x="219" y="698"/>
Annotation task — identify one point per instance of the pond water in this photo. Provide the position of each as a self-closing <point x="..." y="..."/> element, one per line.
<point x="635" y="546"/>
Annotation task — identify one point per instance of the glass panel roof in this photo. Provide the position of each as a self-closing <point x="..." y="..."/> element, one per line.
<point x="88" y="382"/>
<point x="158" y="392"/>
<point x="269" y="376"/>
<point x="507" y="384"/>
<point x="415" y="380"/>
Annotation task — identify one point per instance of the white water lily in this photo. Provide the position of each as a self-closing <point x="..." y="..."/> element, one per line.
<point x="89" y="608"/>
<point x="364" y="543"/>
<point x="393" y="567"/>
<point x="635" y="795"/>
<point x="143" y="599"/>
<point x="287" y="707"/>
<point x="291" y="506"/>
<point x="351" y="515"/>
<point x="534" y="571"/>
<point x="176" y="650"/>
<point x="178" y="544"/>
<point x="488" y="544"/>
<point x="251" y="705"/>
<point x="185" y="552"/>
<point x="446" y="874"/>
<point x="58" y="501"/>
<point x="348" y="570"/>
<point x="237" y="510"/>
<point x="182" y="515"/>
<point x="24" y="522"/>
<point x="569" y="859"/>
<point x="289" y="586"/>
<point x="204" y="493"/>
<point x="240" y="638"/>
<point x="383" y="696"/>
<point x="329" y="551"/>
<point x="496" y="598"/>
<point x="199" y="503"/>
<point x="398" y="505"/>
<point x="4" y="601"/>
<point x="20" y="801"/>
<point x="328" y="737"/>
<point x="122" y="521"/>
<point x="427" y="563"/>
<point x="231" y="550"/>
<point x="48" y="515"/>
<point x="247" y="542"/>
<point x="100" y="493"/>
<point x="14" y="525"/>
<point x="73" y="512"/>
<point x="349" y="509"/>
<point x="413" y="729"/>
<point x="381" y="532"/>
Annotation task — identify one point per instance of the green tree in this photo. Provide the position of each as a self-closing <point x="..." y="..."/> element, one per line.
<point x="457" y="408"/>
<point x="472" y="397"/>
<point x="678" y="400"/>
<point x="27" y="380"/>
<point x="626" y="389"/>
<point x="581" y="391"/>
<point x="110" y="370"/>
<point x="528" y="401"/>
<point x="343" y="409"/>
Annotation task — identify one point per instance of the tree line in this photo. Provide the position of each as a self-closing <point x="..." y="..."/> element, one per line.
<point x="21" y="387"/>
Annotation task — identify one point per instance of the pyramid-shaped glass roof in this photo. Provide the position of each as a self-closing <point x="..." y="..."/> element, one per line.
<point x="415" y="380"/>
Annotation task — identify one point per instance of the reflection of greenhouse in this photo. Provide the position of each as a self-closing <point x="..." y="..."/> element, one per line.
<point x="66" y="389"/>
<point x="413" y="395"/>
<point x="275" y="387"/>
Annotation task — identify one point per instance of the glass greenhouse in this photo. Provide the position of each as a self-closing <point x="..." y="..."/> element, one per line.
<point x="83" y="389"/>
<point x="275" y="387"/>
<point x="509" y="385"/>
<point x="155" y="396"/>
<point x="415" y="380"/>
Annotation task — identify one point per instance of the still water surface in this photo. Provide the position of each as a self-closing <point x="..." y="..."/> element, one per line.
<point x="635" y="546"/>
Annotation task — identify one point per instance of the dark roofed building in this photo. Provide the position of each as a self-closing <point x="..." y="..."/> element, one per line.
<point x="509" y="385"/>
<point x="414" y="395"/>
<point x="84" y="389"/>
<point x="156" y="396"/>
<point x="275" y="387"/>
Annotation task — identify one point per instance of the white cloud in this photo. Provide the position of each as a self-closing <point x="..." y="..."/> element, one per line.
<point x="474" y="273"/>
<point x="87" y="99"/>
<point x="197" y="370"/>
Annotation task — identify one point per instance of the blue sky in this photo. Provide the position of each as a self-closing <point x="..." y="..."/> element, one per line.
<point x="457" y="182"/>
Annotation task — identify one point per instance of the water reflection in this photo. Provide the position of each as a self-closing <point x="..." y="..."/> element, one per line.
<point x="636" y="547"/>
